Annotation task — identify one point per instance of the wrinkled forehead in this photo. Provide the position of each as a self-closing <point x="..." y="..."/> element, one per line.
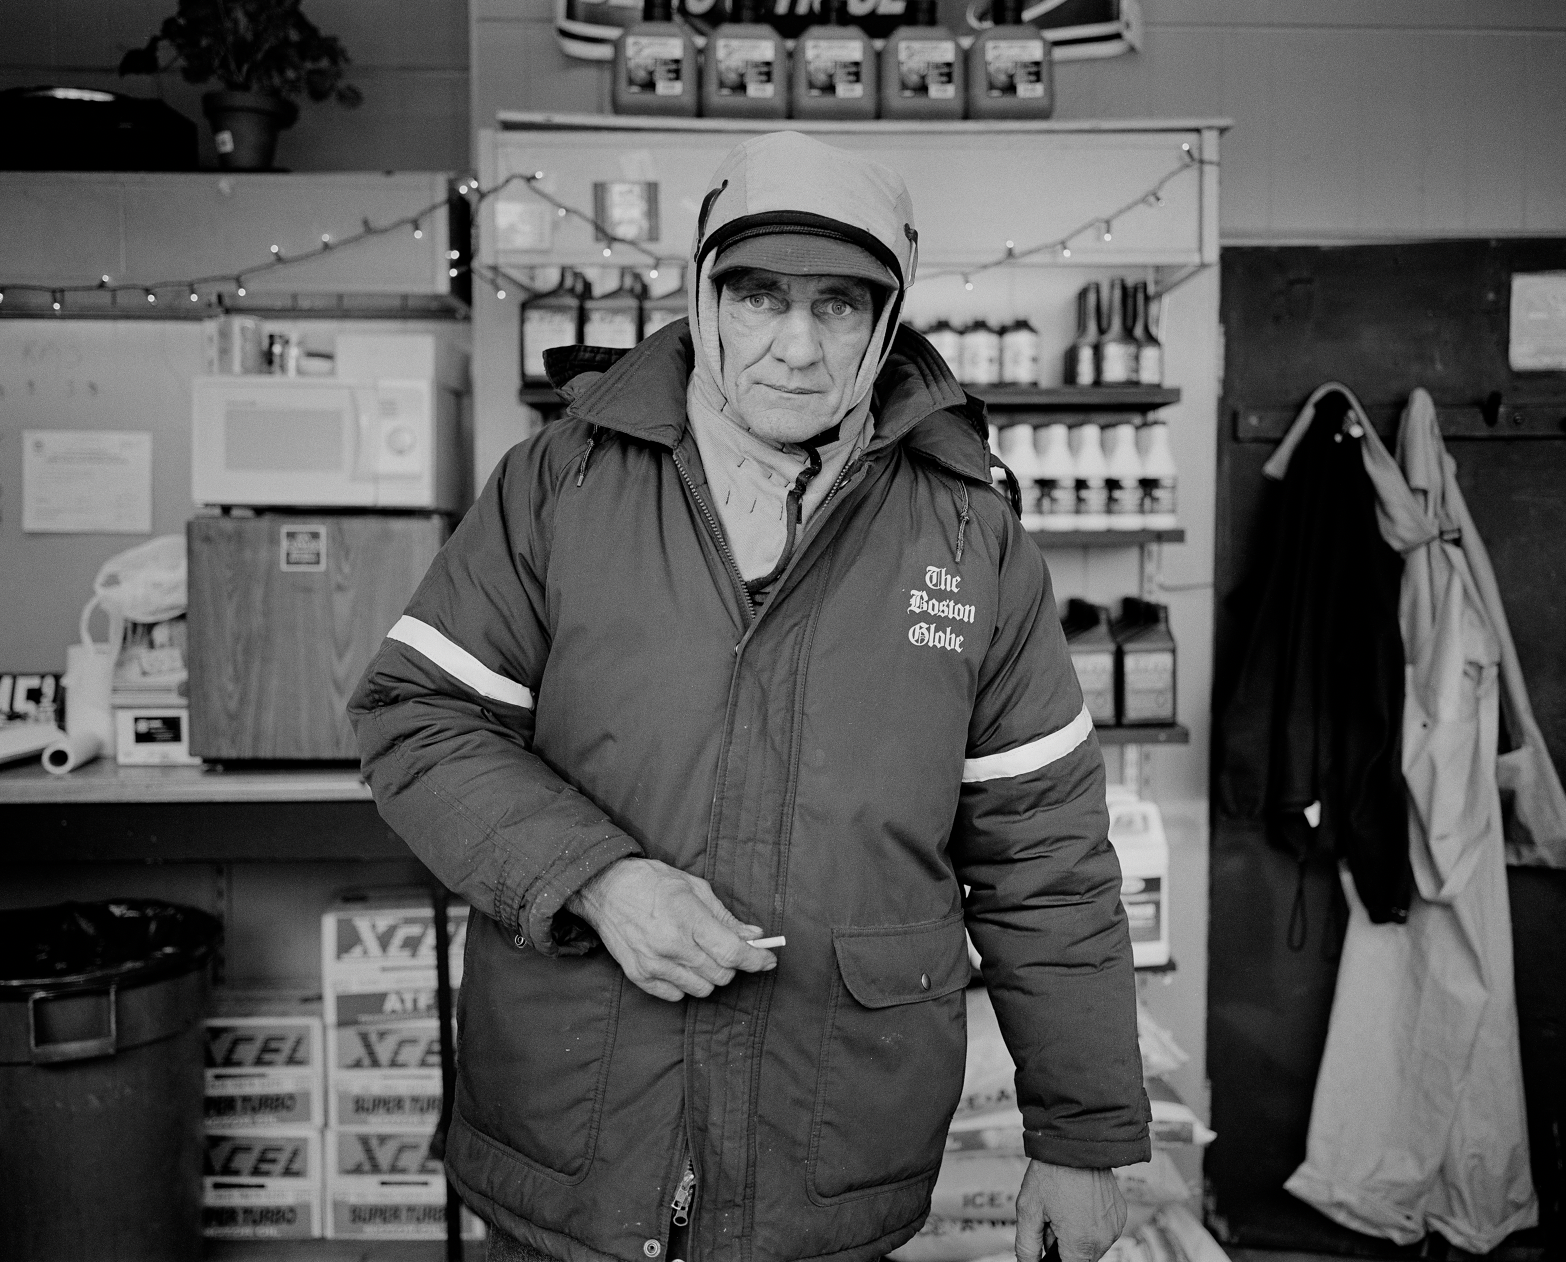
<point x="755" y="280"/>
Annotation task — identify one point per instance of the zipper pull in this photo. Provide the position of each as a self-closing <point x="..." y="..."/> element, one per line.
<point x="683" y="1195"/>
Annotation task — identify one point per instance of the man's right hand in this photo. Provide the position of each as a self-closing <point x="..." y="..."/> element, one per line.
<point x="667" y="929"/>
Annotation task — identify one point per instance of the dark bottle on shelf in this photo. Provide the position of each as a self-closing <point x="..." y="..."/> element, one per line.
<point x="1145" y="663"/>
<point x="923" y="71"/>
<point x="1117" y="349"/>
<point x="1092" y="650"/>
<point x="614" y="319"/>
<point x="1010" y="74"/>
<point x="551" y="319"/>
<point x="1150" y="351"/>
<point x="744" y="71"/>
<point x="655" y="65"/>
<point x="665" y="308"/>
<point x="834" y="68"/>
<point x="1082" y="356"/>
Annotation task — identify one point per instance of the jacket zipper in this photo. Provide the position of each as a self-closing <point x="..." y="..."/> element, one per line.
<point x="683" y="1196"/>
<point x="717" y="535"/>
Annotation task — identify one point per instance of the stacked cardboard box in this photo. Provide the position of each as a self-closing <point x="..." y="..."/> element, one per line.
<point x="383" y="1065"/>
<point x="264" y="1108"/>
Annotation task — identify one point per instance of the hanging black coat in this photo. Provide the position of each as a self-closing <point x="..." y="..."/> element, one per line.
<point x="1315" y="718"/>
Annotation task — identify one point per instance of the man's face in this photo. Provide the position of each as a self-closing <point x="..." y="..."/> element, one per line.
<point x="792" y="346"/>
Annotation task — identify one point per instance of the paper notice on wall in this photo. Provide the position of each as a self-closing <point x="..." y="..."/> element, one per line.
<point x="86" y="482"/>
<point x="1538" y="325"/>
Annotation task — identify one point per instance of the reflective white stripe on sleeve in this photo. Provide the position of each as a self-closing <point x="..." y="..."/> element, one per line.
<point x="457" y="662"/>
<point x="1029" y="757"/>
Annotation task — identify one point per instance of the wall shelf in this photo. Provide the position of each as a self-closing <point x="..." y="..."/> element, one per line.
<point x="1159" y="734"/>
<point x="1048" y="539"/>
<point x="1139" y="399"/>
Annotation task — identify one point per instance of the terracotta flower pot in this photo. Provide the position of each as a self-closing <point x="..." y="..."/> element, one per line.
<point x="245" y="127"/>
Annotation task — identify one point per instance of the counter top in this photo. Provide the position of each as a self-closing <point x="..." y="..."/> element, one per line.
<point x="100" y="781"/>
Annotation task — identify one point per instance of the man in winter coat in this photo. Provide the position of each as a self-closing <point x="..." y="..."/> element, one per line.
<point x="746" y="646"/>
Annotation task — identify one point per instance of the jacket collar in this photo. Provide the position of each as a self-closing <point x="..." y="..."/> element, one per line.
<point x="641" y="393"/>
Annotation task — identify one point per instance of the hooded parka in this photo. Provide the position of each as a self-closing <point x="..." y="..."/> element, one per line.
<point x="581" y="678"/>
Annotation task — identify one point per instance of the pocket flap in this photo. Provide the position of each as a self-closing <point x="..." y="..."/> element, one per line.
<point x="893" y="964"/>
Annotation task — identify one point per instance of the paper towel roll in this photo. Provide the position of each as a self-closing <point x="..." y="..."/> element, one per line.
<point x="71" y="751"/>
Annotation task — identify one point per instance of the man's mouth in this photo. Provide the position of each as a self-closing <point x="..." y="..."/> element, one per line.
<point x="790" y="389"/>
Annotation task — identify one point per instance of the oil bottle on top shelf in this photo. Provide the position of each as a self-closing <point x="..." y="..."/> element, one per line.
<point x="1019" y="352"/>
<point x="1117" y="349"/>
<point x="551" y="319"/>
<point x="948" y="344"/>
<point x="1057" y="477"/>
<point x="980" y="355"/>
<point x="655" y="65"/>
<point x="1092" y="478"/>
<point x="614" y="318"/>
<point x="1082" y="356"/>
<point x="745" y="68"/>
<point x="666" y="308"/>
<point x="923" y="71"/>
<point x="1124" y="480"/>
<point x="834" y="72"/>
<point x="1158" y="478"/>
<point x="1010" y="74"/>
<point x="1150" y="351"/>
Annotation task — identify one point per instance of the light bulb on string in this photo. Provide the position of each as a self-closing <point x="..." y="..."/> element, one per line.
<point x="451" y="271"/>
<point x="194" y="297"/>
<point x="501" y="294"/>
<point x="151" y="297"/>
<point x="454" y="254"/>
<point x="653" y="275"/>
<point x="1155" y="199"/>
<point x="1109" y="234"/>
<point x="967" y="283"/>
<point x="239" y="286"/>
<point x="326" y="240"/>
<point x="2" y="295"/>
<point x="608" y="252"/>
<point x="561" y="212"/>
<point x="277" y="250"/>
<point x="537" y="175"/>
<point x="1190" y="154"/>
<point x="56" y="296"/>
<point x="104" y="281"/>
<point x="1065" y="251"/>
<point x="418" y="233"/>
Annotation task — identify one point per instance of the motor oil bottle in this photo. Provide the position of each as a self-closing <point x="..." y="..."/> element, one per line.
<point x="1082" y="355"/>
<point x="1019" y="351"/>
<point x="980" y="355"/>
<point x="667" y="307"/>
<point x="1057" y="475"/>
<point x="614" y="319"/>
<point x="835" y="70"/>
<point x="1150" y="351"/>
<point x="551" y="319"/>
<point x="1010" y="74"/>
<point x="1117" y="349"/>
<point x="923" y="71"/>
<point x="1124" y="481"/>
<point x="1092" y="650"/>
<point x="1017" y="451"/>
<point x="948" y="344"/>
<point x="1092" y="478"/>
<point x="744" y="70"/>
<point x="1145" y="663"/>
<point x="1159" y="479"/>
<point x="655" y="65"/>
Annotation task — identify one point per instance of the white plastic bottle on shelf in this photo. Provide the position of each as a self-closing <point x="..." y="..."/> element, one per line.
<point x="1057" y="477"/>
<point x="1019" y="350"/>
<point x="980" y="355"/>
<point x="948" y="342"/>
<point x="1125" y="479"/>
<point x="1159" y="479"/>
<point x="1092" y="478"/>
<point x="1017" y="452"/>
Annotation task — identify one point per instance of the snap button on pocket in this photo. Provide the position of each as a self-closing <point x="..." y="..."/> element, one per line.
<point x="924" y="981"/>
<point x="652" y="1248"/>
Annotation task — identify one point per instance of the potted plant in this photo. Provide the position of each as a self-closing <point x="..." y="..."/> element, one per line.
<point x="265" y="53"/>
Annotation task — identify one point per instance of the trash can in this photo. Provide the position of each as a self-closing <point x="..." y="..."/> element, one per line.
<point x="101" y="1050"/>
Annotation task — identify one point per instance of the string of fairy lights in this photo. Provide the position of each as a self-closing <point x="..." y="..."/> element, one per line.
<point x="217" y="286"/>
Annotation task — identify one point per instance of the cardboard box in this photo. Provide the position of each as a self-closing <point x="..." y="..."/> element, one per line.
<point x="263" y="1185"/>
<point x="385" y="1185"/>
<point x="265" y="1071"/>
<point x="409" y="1099"/>
<point x="386" y="938"/>
<point x="352" y="1001"/>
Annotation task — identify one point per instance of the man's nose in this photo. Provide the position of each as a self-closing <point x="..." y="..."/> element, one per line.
<point x="797" y="342"/>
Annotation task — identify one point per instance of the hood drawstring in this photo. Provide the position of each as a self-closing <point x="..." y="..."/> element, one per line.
<point x="962" y="521"/>
<point x="587" y="454"/>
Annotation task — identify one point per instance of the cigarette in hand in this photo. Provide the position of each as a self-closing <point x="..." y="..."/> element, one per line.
<point x="767" y="944"/>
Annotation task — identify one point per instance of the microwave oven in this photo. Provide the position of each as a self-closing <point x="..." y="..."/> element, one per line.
<point x="325" y="442"/>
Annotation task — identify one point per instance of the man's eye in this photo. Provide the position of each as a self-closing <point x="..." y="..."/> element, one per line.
<point x="757" y="302"/>
<point x="837" y="308"/>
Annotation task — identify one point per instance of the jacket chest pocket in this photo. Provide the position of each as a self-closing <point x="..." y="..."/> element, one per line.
<point x="891" y="1065"/>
